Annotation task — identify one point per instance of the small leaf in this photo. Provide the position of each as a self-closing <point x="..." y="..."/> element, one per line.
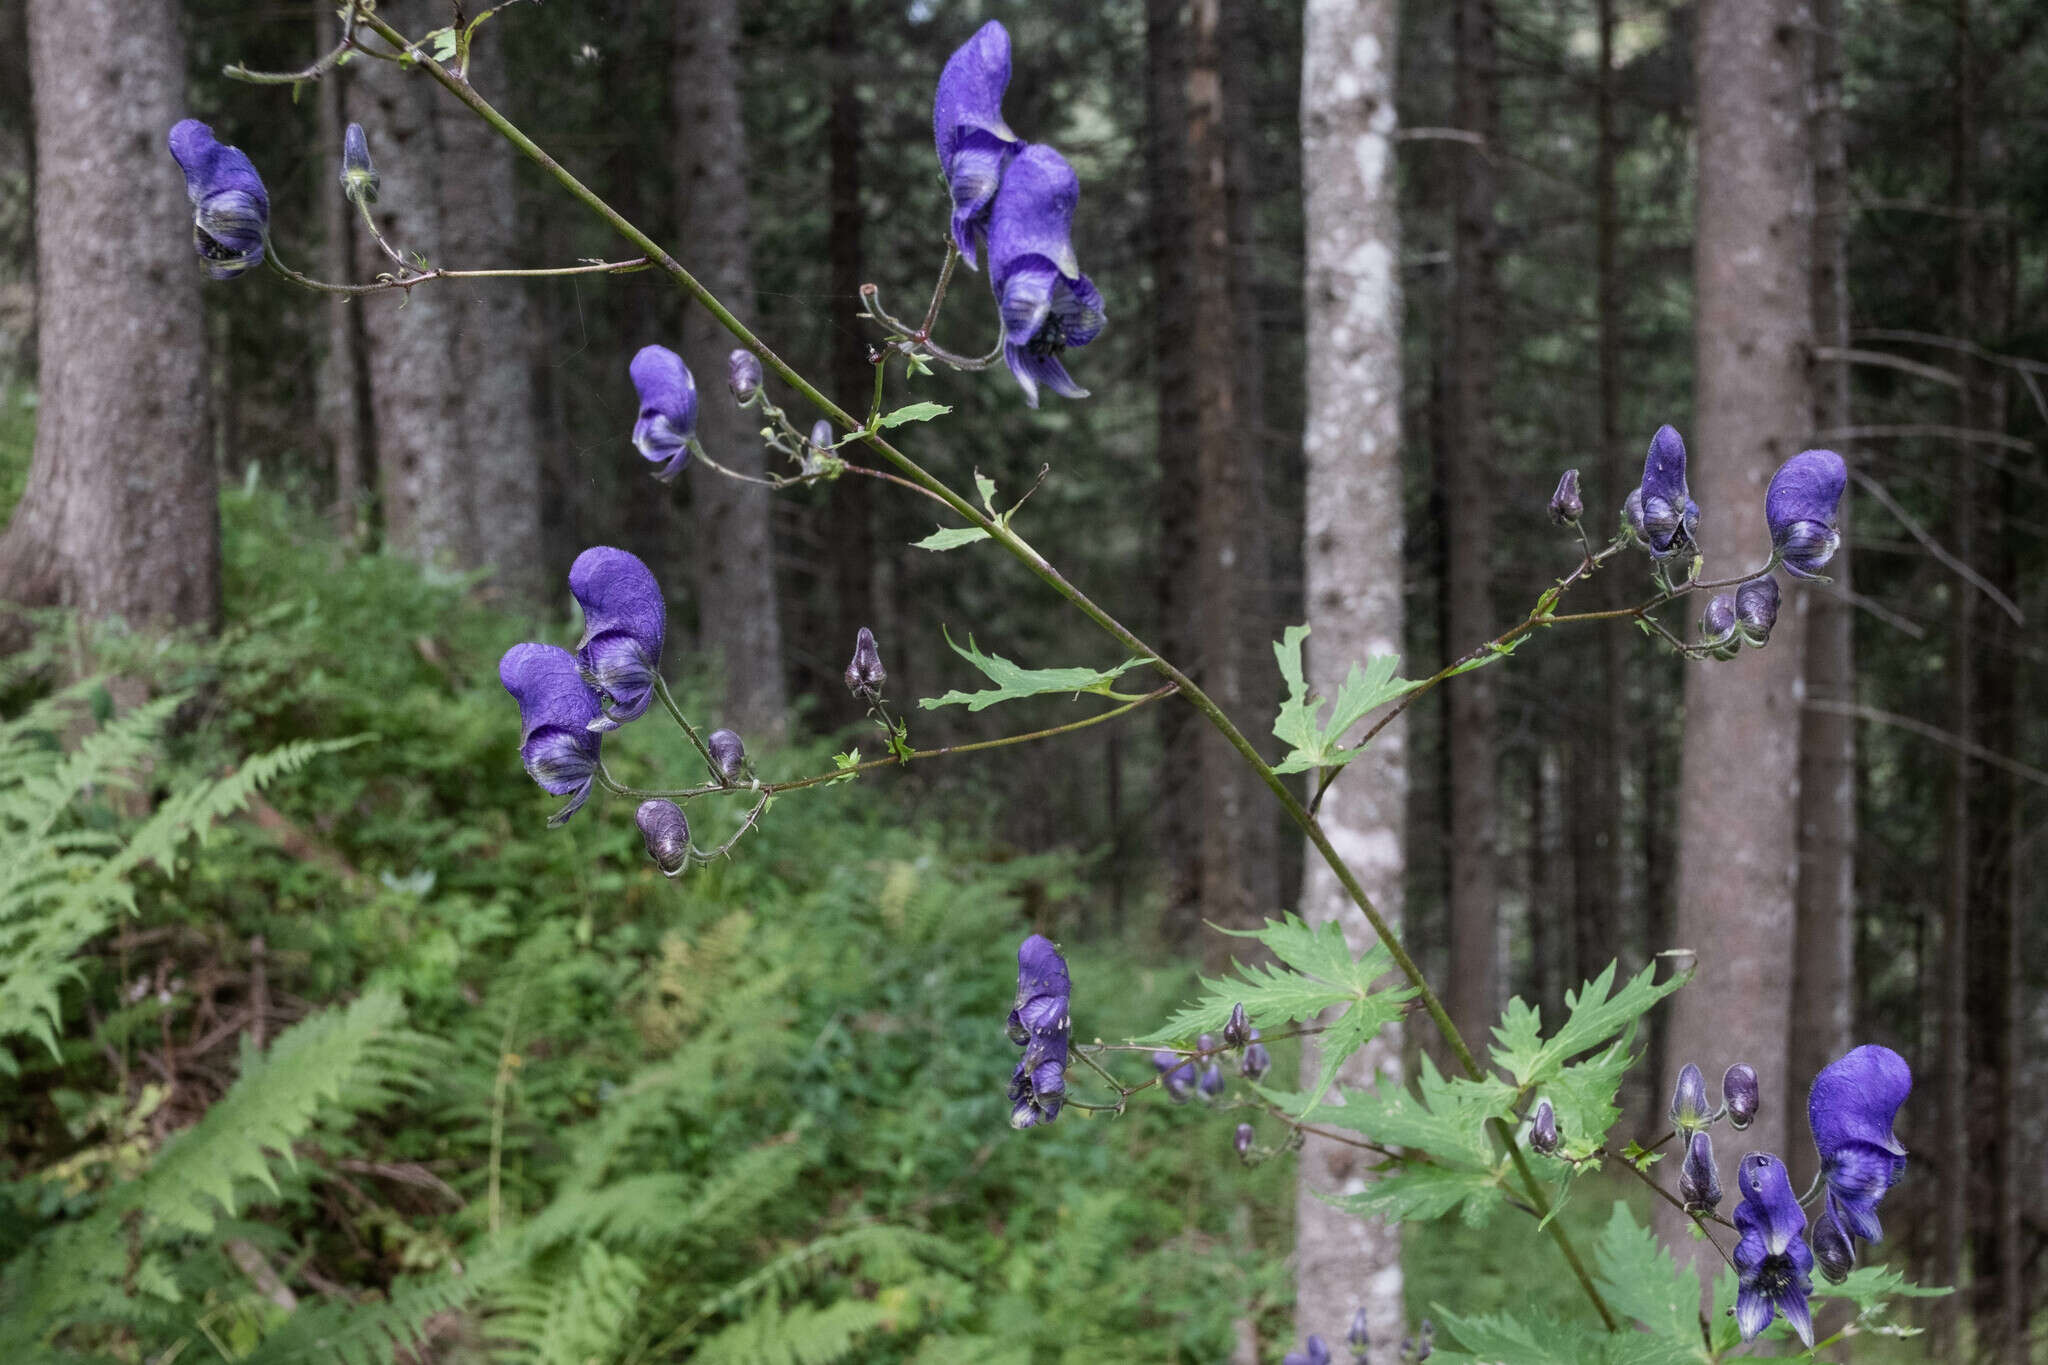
<point x="1312" y="743"/>
<point x="1012" y="681"/>
<point x="915" y="412"/>
<point x="950" y="538"/>
<point x="986" y="486"/>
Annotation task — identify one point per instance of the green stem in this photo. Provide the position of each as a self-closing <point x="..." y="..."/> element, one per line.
<point x="1040" y="566"/>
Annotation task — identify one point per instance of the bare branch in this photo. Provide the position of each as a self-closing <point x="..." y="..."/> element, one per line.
<point x="1934" y="547"/>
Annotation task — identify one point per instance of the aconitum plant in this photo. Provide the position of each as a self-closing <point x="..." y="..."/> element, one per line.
<point x="1521" y="1116"/>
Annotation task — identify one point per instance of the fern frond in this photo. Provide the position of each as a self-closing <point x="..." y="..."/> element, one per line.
<point x="338" y="1333"/>
<point x="581" y="1315"/>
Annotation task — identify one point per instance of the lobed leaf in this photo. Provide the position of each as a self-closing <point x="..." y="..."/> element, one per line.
<point x="1013" y="681"/>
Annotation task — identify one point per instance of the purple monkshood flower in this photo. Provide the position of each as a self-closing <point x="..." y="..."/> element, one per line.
<point x="1756" y="609"/>
<point x="1048" y="305"/>
<point x="1256" y="1061"/>
<point x="1800" y="506"/>
<point x="556" y="707"/>
<point x="1313" y="1352"/>
<point x="359" y="178"/>
<point x="623" y="622"/>
<point x="1851" y="1109"/>
<point x="1661" y="513"/>
<point x="1773" y="1266"/>
<point x="975" y="145"/>
<point x="1176" y="1073"/>
<point x="1834" y="1251"/>
<point x="666" y="831"/>
<point x="1039" y="1023"/>
<point x="1689" y="1110"/>
<point x="230" y="207"/>
<point x="1717" y="629"/>
<point x="668" y="410"/>
<point x="1699" y="1180"/>
<point x="1739" y="1094"/>
<point x="1543" y="1134"/>
<point x="1566" y="506"/>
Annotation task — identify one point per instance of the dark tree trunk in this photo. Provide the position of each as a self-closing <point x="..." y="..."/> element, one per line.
<point x="343" y="380"/>
<point x="849" y="519"/>
<point x="734" y="550"/>
<point x="119" y="517"/>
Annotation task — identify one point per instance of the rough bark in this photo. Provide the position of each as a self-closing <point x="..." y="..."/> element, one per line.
<point x="342" y="381"/>
<point x="1738" y="799"/>
<point x="849" y="520"/>
<point x="732" y="538"/>
<point x="1352" y="562"/>
<point x="119" y="517"/>
<point x="1470" y="486"/>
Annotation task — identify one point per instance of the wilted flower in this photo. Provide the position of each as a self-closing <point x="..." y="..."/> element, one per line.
<point x="1543" y="1128"/>
<point x="1040" y="1024"/>
<point x="1739" y="1094"/>
<point x="743" y="375"/>
<point x="1717" y="628"/>
<point x="1566" y="507"/>
<point x="1257" y="1061"/>
<point x="728" y="752"/>
<point x="230" y="207"/>
<point x="668" y="410"/>
<point x="359" y="179"/>
<point x="1176" y="1073"/>
<point x="1048" y="305"/>
<point x="864" y="673"/>
<point x="1756" y="609"/>
<point x="1773" y="1265"/>
<point x="1800" y="506"/>
<point x="975" y="145"/>
<point x="556" y="707"/>
<point x="1833" y="1250"/>
<point x="1699" y="1180"/>
<point x="1661" y="513"/>
<point x="1241" y="1140"/>
<point x="1313" y="1352"/>
<point x="667" y="833"/>
<point x="1238" y="1030"/>
<point x="1689" y="1111"/>
<point x="1851" y="1108"/>
<point x="624" y="620"/>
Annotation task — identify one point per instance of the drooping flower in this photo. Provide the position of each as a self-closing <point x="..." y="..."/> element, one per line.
<point x="359" y="178"/>
<point x="1048" y="305"/>
<point x="1739" y="1094"/>
<point x="1566" y="506"/>
<point x="1661" y="512"/>
<point x="624" y="620"/>
<point x="666" y="831"/>
<point x="1039" y="1023"/>
<point x="556" y="707"/>
<point x="230" y="207"/>
<point x="728" y="751"/>
<point x="1773" y="1265"/>
<point x="743" y="375"/>
<point x="1256" y="1061"/>
<point x="1851" y="1108"/>
<point x="1834" y="1251"/>
<point x="1800" y="506"/>
<point x="1699" y="1180"/>
<point x="1689" y="1111"/>
<point x="975" y="145"/>
<point x="1756" y="610"/>
<point x="1543" y="1128"/>
<point x="668" y="410"/>
<point x="864" y="672"/>
<point x="1176" y="1074"/>
<point x="1313" y="1352"/>
<point x="1717" y="634"/>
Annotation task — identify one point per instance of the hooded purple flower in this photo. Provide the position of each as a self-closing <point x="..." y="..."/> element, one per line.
<point x="1800" y="506"/>
<point x="1699" y="1180"/>
<point x="668" y="410"/>
<point x="1313" y="1352"/>
<point x="1689" y="1111"/>
<point x="975" y="145"/>
<point x="1661" y="512"/>
<point x="1040" y="1025"/>
<point x="1717" y="632"/>
<point x="1048" y="305"/>
<point x="1773" y="1266"/>
<point x="666" y="831"/>
<point x="623" y="623"/>
<point x="556" y="708"/>
<point x="230" y="207"/>
<point x="1756" y="609"/>
<point x="1739" y="1094"/>
<point x="1176" y="1074"/>
<point x="1851" y="1109"/>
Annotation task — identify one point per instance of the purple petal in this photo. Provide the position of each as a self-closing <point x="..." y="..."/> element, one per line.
<point x="973" y="175"/>
<point x="970" y="93"/>
<point x="1807" y="487"/>
<point x="1793" y="1304"/>
<point x="549" y="687"/>
<point x="1752" y="1312"/>
<point x="1664" y="467"/>
<point x="1033" y="370"/>
<point x="230" y="207"/>
<point x="624" y="620"/>
<point x="668" y="408"/>
<point x="1857" y="1098"/>
<point x="1033" y="215"/>
<point x="1769" y="1210"/>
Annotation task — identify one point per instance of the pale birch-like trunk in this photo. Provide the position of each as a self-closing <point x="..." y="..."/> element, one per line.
<point x="1353" y="572"/>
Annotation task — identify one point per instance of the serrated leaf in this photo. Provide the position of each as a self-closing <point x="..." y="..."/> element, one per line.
<point x="1537" y="1339"/>
<point x="1447" y="1117"/>
<point x="1012" y="681"/>
<point x="1596" y="1013"/>
<point x="950" y="538"/>
<point x="1419" y="1191"/>
<point x="986" y="486"/>
<point x="1313" y="743"/>
<point x="915" y="412"/>
<point x="1640" y="1280"/>
<point x="1583" y="1095"/>
<point x="1869" y="1286"/>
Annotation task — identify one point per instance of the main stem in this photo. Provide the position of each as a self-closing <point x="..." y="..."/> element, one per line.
<point x="1039" y="565"/>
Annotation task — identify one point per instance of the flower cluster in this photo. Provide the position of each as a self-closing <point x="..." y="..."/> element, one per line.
<point x="230" y="207"/>
<point x="1039" y="1024"/>
<point x="1017" y="200"/>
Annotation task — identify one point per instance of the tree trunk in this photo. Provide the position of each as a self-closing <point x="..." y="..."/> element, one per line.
<point x="119" y="517"/>
<point x="848" y="521"/>
<point x="342" y="381"/>
<point x="1471" y="487"/>
<point x="1738" y="799"/>
<point x="1352" y="564"/>
<point x="734" y="550"/>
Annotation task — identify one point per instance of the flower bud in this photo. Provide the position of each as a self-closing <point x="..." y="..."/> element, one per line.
<point x="728" y="752"/>
<point x="1237" y="1032"/>
<point x="667" y="832"/>
<point x="1739" y="1094"/>
<point x="1212" y="1081"/>
<point x="743" y="375"/>
<point x="821" y="434"/>
<point x="1756" y="610"/>
<point x="1699" y="1183"/>
<point x="1241" y="1140"/>
<point x="1717" y="627"/>
<point x="864" y="675"/>
<point x="1566" y="507"/>
<point x="1689" y="1110"/>
<point x="1257" y="1061"/>
<point x="1832" y="1249"/>
<point x="1543" y="1128"/>
<point x="1176" y="1074"/>
<point x="359" y="179"/>
<point x="1358" y="1338"/>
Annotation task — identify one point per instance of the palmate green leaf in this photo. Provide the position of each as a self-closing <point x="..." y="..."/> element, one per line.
<point x="1313" y="743"/>
<point x="1533" y="1339"/>
<point x="1596" y="1013"/>
<point x="1012" y="681"/>
<point x="1418" y="1191"/>
<point x="1640" y="1280"/>
<point x="1869" y="1286"/>
<point x="1582" y="1095"/>
<point x="1447" y="1118"/>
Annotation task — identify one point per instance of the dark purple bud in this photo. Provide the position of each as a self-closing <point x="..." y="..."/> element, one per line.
<point x="1756" y="609"/>
<point x="1773" y="1264"/>
<point x="667" y="832"/>
<point x="1177" y="1074"/>
<point x="975" y="145"/>
<point x="1543" y="1128"/>
<point x="1833" y="1249"/>
<point x="1048" y="305"/>
<point x="668" y="410"/>
<point x="728" y="752"/>
<point x="556" y="707"/>
<point x="1241" y="1140"/>
<point x="1206" y="1043"/>
<point x="359" y="179"/>
<point x="1238" y="1031"/>
<point x="864" y="674"/>
<point x="1039" y="1023"/>
<point x="1699" y="1181"/>
<point x="1313" y="1352"/>
<point x="1739" y="1094"/>
<point x="743" y="375"/>
<point x="1661" y="513"/>
<point x="1257" y="1061"/>
<point x="230" y="207"/>
<point x="1717" y="627"/>
<point x="624" y="623"/>
<point x="1689" y="1111"/>
<point x="1852" y="1108"/>
<point x="1800" y="506"/>
<point x="1566" y="507"/>
<point x="1212" y="1081"/>
<point x="1359" y="1339"/>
